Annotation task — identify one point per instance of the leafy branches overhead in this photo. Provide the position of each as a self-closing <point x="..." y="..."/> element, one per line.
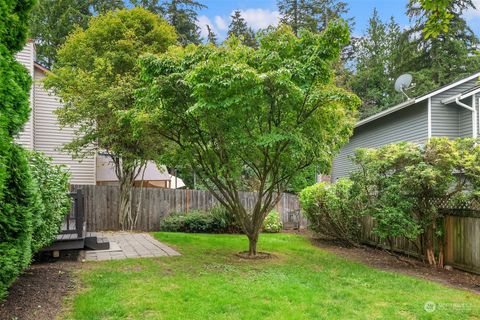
<point x="436" y="15"/>
<point x="273" y="111"/>
<point x="96" y="76"/>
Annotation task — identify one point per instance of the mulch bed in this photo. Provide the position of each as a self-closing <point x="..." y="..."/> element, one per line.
<point x="381" y="259"/>
<point x="258" y="256"/>
<point x="40" y="291"/>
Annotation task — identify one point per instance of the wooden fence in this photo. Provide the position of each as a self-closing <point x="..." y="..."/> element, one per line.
<point x="101" y="206"/>
<point x="462" y="240"/>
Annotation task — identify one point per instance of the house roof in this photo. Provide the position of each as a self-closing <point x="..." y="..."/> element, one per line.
<point x="416" y="100"/>
<point x="39" y="66"/>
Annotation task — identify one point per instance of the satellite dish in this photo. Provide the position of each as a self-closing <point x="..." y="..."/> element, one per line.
<point x="403" y="83"/>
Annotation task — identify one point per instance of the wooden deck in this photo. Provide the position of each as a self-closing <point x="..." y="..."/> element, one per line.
<point x="73" y="234"/>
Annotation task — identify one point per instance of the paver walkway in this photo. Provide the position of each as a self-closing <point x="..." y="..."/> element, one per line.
<point x="129" y="245"/>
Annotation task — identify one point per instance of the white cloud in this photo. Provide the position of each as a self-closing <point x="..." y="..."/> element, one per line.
<point x="473" y="13"/>
<point x="202" y="22"/>
<point x="260" y="18"/>
<point x="221" y="23"/>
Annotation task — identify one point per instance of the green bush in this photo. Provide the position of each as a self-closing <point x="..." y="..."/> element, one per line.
<point x="17" y="190"/>
<point x="216" y="220"/>
<point x="54" y="201"/>
<point x="17" y="204"/>
<point x="332" y="211"/>
<point x="272" y="223"/>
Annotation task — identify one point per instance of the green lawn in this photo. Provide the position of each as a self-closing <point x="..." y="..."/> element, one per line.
<point x="303" y="282"/>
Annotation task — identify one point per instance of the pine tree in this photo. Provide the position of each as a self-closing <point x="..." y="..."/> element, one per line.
<point x="154" y="6"/>
<point x="313" y="15"/>
<point x="375" y="69"/>
<point x="211" y="37"/>
<point x="238" y="27"/>
<point x="182" y="14"/>
<point x="52" y="20"/>
<point x="448" y="56"/>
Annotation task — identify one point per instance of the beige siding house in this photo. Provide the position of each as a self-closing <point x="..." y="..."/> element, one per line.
<point x="43" y="133"/>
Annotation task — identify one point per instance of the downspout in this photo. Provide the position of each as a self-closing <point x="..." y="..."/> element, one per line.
<point x="474" y="114"/>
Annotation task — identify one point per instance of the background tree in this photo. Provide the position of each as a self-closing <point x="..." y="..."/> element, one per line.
<point x="52" y="20"/>
<point x="448" y="56"/>
<point x="211" y="37"/>
<point x="273" y="111"/>
<point x="155" y="6"/>
<point x="182" y="14"/>
<point x="375" y="65"/>
<point x="313" y="15"/>
<point x="238" y="27"/>
<point x="96" y="76"/>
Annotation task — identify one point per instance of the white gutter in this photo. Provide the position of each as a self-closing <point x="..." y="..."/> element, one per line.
<point x="429" y="118"/>
<point x="461" y="96"/>
<point x="474" y="114"/>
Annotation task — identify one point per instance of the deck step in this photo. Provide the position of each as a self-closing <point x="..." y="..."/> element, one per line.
<point x="95" y="243"/>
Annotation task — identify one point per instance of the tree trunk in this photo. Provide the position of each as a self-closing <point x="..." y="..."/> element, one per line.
<point x="126" y="181"/>
<point x="252" y="244"/>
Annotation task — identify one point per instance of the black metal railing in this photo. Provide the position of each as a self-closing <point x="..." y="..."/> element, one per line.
<point x="75" y="219"/>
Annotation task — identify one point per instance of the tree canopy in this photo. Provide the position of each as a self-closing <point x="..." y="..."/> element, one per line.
<point x="271" y="111"/>
<point x="386" y="51"/>
<point x="313" y="15"/>
<point x="96" y="77"/>
<point x="182" y="15"/>
<point x="52" y="21"/>
<point x="238" y="27"/>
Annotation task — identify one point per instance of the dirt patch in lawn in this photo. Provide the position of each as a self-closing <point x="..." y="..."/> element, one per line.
<point x="258" y="256"/>
<point x="383" y="260"/>
<point x="40" y="291"/>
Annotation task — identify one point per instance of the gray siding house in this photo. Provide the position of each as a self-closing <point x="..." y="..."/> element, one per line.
<point x="450" y="111"/>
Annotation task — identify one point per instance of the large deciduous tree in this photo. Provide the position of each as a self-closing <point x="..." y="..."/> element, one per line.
<point x="96" y="76"/>
<point x="271" y="112"/>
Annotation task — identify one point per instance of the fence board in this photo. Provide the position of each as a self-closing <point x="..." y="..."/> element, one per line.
<point x="102" y="204"/>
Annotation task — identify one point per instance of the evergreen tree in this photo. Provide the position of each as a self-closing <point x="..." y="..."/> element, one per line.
<point x="238" y="27"/>
<point x="52" y="20"/>
<point x="313" y="15"/>
<point x="154" y="6"/>
<point x="448" y="56"/>
<point x="182" y="14"/>
<point x="375" y="70"/>
<point x="211" y="37"/>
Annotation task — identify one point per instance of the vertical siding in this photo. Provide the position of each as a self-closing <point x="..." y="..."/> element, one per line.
<point x="452" y="120"/>
<point x="49" y="137"/>
<point x="408" y="124"/>
<point x="26" y="57"/>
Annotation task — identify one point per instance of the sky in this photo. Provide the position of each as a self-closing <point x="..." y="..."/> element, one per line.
<point x="261" y="13"/>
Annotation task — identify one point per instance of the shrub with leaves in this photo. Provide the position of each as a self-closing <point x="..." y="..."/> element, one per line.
<point x="333" y="211"/>
<point x="16" y="185"/>
<point x="216" y="220"/>
<point x="272" y="223"/>
<point x="52" y="185"/>
<point x="404" y="185"/>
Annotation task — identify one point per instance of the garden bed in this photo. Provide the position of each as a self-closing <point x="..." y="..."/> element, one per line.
<point x="381" y="259"/>
<point x="40" y="291"/>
